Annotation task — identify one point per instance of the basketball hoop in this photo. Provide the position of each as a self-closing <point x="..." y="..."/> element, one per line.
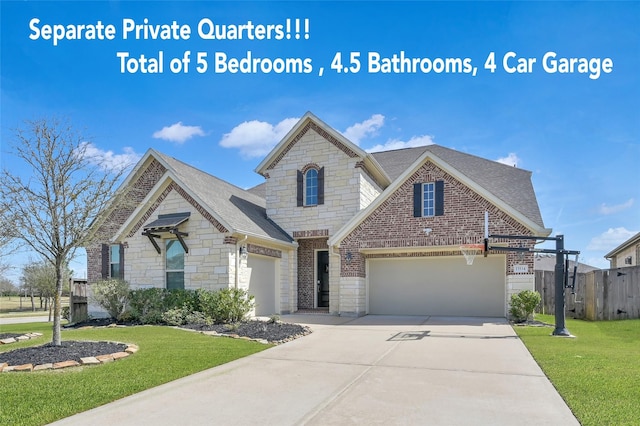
<point x="470" y="251"/>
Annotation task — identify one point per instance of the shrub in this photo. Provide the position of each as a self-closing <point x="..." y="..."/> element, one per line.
<point x="112" y="295"/>
<point x="147" y="305"/>
<point x="523" y="304"/>
<point x="198" y="318"/>
<point x="175" y="316"/>
<point x="227" y="305"/>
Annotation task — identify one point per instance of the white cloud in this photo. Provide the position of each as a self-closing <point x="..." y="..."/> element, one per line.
<point x="610" y="239"/>
<point x="510" y="160"/>
<point x="398" y="144"/>
<point x="598" y="262"/>
<point x="368" y="127"/>
<point x="256" y="138"/>
<point x="108" y="160"/>
<point x="178" y="132"/>
<point x="607" y="210"/>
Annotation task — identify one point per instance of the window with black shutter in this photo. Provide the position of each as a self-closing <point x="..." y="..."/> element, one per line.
<point x="300" y="189"/>
<point x="116" y="262"/>
<point x="104" y="270"/>
<point x="428" y="199"/>
<point x="310" y="187"/>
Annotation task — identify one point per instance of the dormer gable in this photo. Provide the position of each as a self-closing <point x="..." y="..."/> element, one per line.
<point x="310" y="122"/>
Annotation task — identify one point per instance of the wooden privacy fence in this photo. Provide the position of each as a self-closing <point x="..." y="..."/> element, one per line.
<point x="607" y="294"/>
<point x="78" y="302"/>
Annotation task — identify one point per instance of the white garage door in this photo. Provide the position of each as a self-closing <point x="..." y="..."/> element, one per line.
<point x="437" y="286"/>
<point x="262" y="283"/>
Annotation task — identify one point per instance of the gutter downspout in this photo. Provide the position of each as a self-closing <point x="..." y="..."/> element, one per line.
<point x="238" y="245"/>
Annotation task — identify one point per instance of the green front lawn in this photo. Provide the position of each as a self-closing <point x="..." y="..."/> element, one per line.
<point x="165" y="354"/>
<point x="597" y="373"/>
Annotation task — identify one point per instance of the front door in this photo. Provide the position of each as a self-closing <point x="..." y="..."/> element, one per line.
<point x="322" y="276"/>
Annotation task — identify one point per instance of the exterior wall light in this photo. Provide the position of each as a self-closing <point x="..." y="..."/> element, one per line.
<point x="243" y="252"/>
<point x="348" y="257"/>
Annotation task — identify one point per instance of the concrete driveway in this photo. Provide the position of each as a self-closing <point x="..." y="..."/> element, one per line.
<point x="371" y="370"/>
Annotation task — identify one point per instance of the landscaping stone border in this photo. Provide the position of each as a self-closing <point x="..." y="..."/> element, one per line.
<point x="305" y="331"/>
<point x="19" y="338"/>
<point x="92" y="360"/>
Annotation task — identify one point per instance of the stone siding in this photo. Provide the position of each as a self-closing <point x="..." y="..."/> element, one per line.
<point x="369" y="190"/>
<point x="341" y="187"/>
<point x="206" y="264"/>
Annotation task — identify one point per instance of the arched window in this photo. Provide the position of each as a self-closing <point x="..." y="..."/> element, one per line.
<point x="311" y="187"/>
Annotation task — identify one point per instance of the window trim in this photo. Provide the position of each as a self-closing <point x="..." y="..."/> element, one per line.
<point x="166" y="269"/>
<point x="438" y="198"/>
<point x="301" y="187"/>
<point x="113" y="261"/>
<point x="311" y="199"/>
<point x="428" y="204"/>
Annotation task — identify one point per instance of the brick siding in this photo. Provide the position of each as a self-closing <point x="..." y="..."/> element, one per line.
<point x="306" y="272"/>
<point x="392" y="224"/>
<point x="139" y="190"/>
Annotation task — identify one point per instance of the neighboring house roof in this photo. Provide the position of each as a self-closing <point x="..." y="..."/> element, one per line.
<point x="548" y="263"/>
<point x="624" y="246"/>
<point x="510" y="184"/>
<point x="237" y="209"/>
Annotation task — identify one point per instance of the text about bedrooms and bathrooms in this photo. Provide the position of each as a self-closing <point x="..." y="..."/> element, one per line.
<point x="290" y="30"/>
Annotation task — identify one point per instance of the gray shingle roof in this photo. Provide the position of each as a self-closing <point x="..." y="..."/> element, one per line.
<point x="242" y="210"/>
<point x="260" y="190"/>
<point x="510" y="184"/>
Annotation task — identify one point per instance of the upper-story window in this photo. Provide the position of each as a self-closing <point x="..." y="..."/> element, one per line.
<point x="311" y="187"/>
<point x="428" y="199"/>
<point x="310" y="191"/>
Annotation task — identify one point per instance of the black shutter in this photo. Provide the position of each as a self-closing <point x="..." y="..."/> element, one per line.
<point x="417" y="200"/>
<point x="300" y="189"/>
<point x="321" y="186"/>
<point x="104" y="271"/>
<point x="439" y="195"/>
<point x="121" y="262"/>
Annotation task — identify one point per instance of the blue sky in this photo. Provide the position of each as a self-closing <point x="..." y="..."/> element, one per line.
<point x="578" y="132"/>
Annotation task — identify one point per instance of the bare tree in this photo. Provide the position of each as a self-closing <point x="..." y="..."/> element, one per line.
<point x="7" y="288"/>
<point x="7" y="238"/>
<point x="40" y="278"/>
<point x="54" y="207"/>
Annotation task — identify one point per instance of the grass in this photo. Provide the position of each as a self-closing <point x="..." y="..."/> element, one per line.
<point x="165" y="354"/>
<point x="597" y="373"/>
<point x="10" y="305"/>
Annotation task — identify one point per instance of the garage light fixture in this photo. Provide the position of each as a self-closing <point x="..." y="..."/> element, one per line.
<point x="243" y="252"/>
<point x="348" y="257"/>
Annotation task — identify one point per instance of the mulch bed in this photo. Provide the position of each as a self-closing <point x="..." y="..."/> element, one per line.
<point x="68" y="351"/>
<point x="273" y="332"/>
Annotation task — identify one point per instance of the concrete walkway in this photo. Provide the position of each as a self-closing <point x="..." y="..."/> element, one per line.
<point x="371" y="370"/>
<point x="23" y="320"/>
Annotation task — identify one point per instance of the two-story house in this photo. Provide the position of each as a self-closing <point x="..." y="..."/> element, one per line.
<point x="332" y="228"/>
